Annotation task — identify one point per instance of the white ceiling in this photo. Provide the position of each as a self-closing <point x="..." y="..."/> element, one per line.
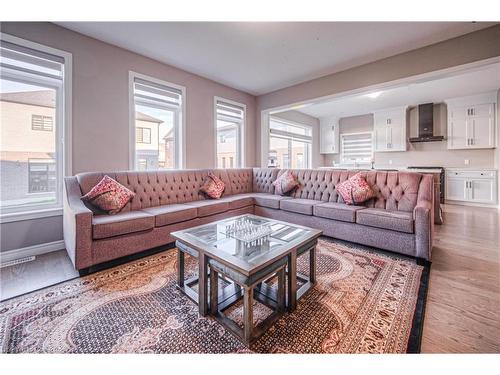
<point x="435" y="91"/>
<point x="260" y="57"/>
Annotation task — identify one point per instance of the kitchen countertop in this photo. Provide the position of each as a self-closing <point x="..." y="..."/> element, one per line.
<point x="419" y="170"/>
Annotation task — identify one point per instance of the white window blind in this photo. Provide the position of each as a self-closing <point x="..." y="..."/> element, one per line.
<point x="229" y="112"/>
<point x="152" y="94"/>
<point x="27" y="60"/>
<point x="356" y="148"/>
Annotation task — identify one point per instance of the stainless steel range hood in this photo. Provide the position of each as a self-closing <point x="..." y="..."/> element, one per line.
<point x="426" y="125"/>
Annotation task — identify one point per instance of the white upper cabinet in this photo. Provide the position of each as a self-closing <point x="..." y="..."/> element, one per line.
<point x="329" y="136"/>
<point x="389" y="130"/>
<point x="472" y="121"/>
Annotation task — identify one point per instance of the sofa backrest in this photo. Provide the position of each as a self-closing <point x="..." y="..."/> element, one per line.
<point x="395" y="190"/>
<point x="263" y="178"/>
<point x="240" y="180"/>
<point x="156" y="188"/>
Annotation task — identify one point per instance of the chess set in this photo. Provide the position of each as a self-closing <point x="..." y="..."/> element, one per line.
<point x="249" y="232"/>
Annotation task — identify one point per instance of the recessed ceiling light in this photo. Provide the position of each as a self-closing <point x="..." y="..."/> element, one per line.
<point x="374" y="95"/>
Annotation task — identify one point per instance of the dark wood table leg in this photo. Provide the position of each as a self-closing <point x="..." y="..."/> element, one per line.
<point x="214" y="292"/>
<point x="248" y="315"/>
<point x="180" y="268"/>
<point x="281" y="304"/>
<point x="202" y="284"/>
<point x="292" y="281"/>
<point x="312" y="265"/>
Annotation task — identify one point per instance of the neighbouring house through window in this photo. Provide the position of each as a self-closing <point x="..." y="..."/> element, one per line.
<point x="143" y="135"/>
<point x="289" y="144"/>
<point x="44" y="123"/>
<point x="230" y="122"/>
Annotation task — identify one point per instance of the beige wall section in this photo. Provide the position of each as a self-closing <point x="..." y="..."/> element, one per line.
<point x="465" y="49"/>
<point x="418" y="154"/>
<point x="302" y="118"/>
<point x="497" y="150"/>
<point x="100" y="100"/>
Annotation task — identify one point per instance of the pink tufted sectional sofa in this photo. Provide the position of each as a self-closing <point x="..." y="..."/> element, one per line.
<point x="400" y="219"/>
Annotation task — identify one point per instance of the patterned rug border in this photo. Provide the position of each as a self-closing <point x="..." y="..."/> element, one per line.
<point x="131" y="261"/>
<point x="415" y="339"/>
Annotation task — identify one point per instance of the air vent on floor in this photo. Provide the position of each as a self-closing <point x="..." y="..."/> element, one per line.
<point x="17" y="261"/>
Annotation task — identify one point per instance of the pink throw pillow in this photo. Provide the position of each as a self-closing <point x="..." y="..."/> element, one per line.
<point x="355" y="190"/>
<point x="109" y="195"/>
<point x="213" y="186"/>
<point x="285" y="183"/>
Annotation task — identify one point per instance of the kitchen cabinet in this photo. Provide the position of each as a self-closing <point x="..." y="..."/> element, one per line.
<point x="473" y="186"/>
<point x="329" y="136"/>
<point x="472" y="122"/>
<point x="389" y="130"/>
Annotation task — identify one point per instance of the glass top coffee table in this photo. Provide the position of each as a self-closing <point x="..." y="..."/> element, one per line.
<point x="246" y="251"/>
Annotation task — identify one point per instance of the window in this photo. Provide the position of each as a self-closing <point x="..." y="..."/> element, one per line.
<point x="143" y="135"/>
<point x="39" y="122"/>
<point x="157" y="109"/>
<point x="35" y="92"/>
<point x="230" y="122"/>
<point x="289" y="144"/>
<point x="356" y="148"/>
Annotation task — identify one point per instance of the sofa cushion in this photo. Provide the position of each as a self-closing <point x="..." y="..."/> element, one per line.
<point x="104" y="226"/>
<point x="337" y="211"/>
<point x="171" y="214"/>
<point x="209" y="207"/>
<point x="395" y="220"/>
<point x="239" y="201"/>
<point x="300" y="206"/>
<point x="268" y="200"/>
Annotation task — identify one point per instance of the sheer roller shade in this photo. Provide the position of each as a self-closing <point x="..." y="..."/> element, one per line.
<point x="27" y="60"/>
<point x="290" y="131"/>
<point x="153" y="94"/>
<point x="229" y="112"/>
<point x="357" y="148"/>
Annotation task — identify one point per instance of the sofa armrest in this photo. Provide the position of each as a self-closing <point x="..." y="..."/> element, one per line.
<point x="77" y="225"/>
<point x="423" y="214"/>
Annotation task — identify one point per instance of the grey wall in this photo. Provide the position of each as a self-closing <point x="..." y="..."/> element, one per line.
<point x="100" y="113"/>
<point x="302" y="118"/>
<point x="421" y="154"/>
<point x="465" y="49"/>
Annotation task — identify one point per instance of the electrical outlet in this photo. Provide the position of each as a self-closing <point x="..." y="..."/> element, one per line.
<point x="466" y="161"/>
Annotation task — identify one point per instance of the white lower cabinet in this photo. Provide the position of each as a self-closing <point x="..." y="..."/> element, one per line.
<point x="474" y="186"/>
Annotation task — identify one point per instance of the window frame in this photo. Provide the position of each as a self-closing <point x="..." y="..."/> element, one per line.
<point x="308" y="140"/>
<point x="63" y="129"/>
<point x="179" y="126"/>
<point x="240" y="132"/>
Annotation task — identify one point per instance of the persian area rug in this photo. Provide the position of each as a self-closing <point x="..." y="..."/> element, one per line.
<point x="364" y="302"/>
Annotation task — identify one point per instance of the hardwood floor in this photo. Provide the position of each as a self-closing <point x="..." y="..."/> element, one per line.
<point x="463" y="302"/>
<point x="45" y="270"/>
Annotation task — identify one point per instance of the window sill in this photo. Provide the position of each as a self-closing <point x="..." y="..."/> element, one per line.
<point x="30" y="215"/>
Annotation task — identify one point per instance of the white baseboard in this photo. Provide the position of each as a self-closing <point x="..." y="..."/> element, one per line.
<point x="10" y="255"/>
<point x="471" y="204"/>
